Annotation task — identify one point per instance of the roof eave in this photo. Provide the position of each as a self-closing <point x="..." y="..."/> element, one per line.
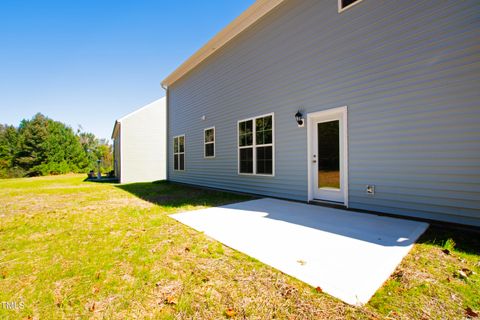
<point x="256" y="11"/>
<point x="115" y="129"/>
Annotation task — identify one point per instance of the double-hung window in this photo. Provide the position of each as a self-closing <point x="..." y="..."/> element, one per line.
<point x="256" y="146"/>
<point x="179" y="153"/>
<point x="209" y="143"/>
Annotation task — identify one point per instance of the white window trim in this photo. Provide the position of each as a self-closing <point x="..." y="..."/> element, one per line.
<point x="340" y="9"/>
<point x="179" y="153"/>
<point x="254" y="146"/>
<point x="214" y="143"/>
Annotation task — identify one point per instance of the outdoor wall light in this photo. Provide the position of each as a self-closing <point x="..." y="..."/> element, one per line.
<point x="299" y="118"/>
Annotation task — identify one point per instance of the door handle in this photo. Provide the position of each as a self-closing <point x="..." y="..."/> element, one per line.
<point x="314" y="161"/>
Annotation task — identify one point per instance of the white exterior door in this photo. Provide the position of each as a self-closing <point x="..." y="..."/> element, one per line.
<point x="327" y="132"/>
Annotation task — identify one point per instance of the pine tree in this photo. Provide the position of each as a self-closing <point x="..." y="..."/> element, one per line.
<point x="42" y="146"/>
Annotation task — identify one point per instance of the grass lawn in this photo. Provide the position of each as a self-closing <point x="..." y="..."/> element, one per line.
<point x="74" y="249"/>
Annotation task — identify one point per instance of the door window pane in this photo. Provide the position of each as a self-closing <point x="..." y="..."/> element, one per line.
<point x="328" y="154"/>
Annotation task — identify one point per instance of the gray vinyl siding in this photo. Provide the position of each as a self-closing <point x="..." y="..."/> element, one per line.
<point x="409" y="72"/>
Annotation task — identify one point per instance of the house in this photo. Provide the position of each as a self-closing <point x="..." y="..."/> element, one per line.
<point x="369" y="104"/>
<point x="139" y="146"/>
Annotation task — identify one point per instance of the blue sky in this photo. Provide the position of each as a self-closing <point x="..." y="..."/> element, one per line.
<point x="90" y="62"/>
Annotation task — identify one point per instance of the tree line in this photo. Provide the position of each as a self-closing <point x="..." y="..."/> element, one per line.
<point x="42" y="146"/>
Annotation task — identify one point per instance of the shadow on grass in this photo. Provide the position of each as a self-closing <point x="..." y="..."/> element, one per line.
<point x="465" y="240"/>
<point x="174" y="195"/>
<point x="169" y="194"/>
<point x="101" y="180"/>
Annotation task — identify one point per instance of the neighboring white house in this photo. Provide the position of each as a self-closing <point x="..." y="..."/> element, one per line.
<point x="140" y="144"/>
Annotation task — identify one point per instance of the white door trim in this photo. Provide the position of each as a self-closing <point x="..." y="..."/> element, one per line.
<point x="342" y="111"/>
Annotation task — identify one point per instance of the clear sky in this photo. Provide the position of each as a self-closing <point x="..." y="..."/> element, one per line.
<point x="89" y="62"/>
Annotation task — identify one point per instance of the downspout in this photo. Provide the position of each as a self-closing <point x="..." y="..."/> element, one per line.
<point x="167" y="143"/>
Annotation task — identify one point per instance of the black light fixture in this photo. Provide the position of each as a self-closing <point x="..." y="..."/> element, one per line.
<point x="299" y="118"/>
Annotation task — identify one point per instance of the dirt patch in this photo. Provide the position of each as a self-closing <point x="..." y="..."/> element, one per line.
<point x="119" y="202"/>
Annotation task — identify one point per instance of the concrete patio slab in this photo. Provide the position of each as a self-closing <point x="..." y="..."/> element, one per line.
<point x="347" y="254"/>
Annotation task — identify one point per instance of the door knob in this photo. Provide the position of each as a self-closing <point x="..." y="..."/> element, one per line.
<point x="314" y="161"/>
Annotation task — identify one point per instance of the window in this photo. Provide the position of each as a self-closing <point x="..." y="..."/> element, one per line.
<point x="209" y="143"/>
<point x="255" y="146"/>
<point x="179" y="153"/>
<point x="345" y="4"/>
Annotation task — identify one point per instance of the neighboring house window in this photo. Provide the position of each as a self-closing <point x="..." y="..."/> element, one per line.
<point x="255" y="146"/>
<point x="209" y="143"/>
<point x="345" y="4"/>
<point x="179" y="153"/>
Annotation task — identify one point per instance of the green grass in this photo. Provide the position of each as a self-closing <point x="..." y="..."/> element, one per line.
<point x="428" y="285"/>
<point x="74" y="249"/>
